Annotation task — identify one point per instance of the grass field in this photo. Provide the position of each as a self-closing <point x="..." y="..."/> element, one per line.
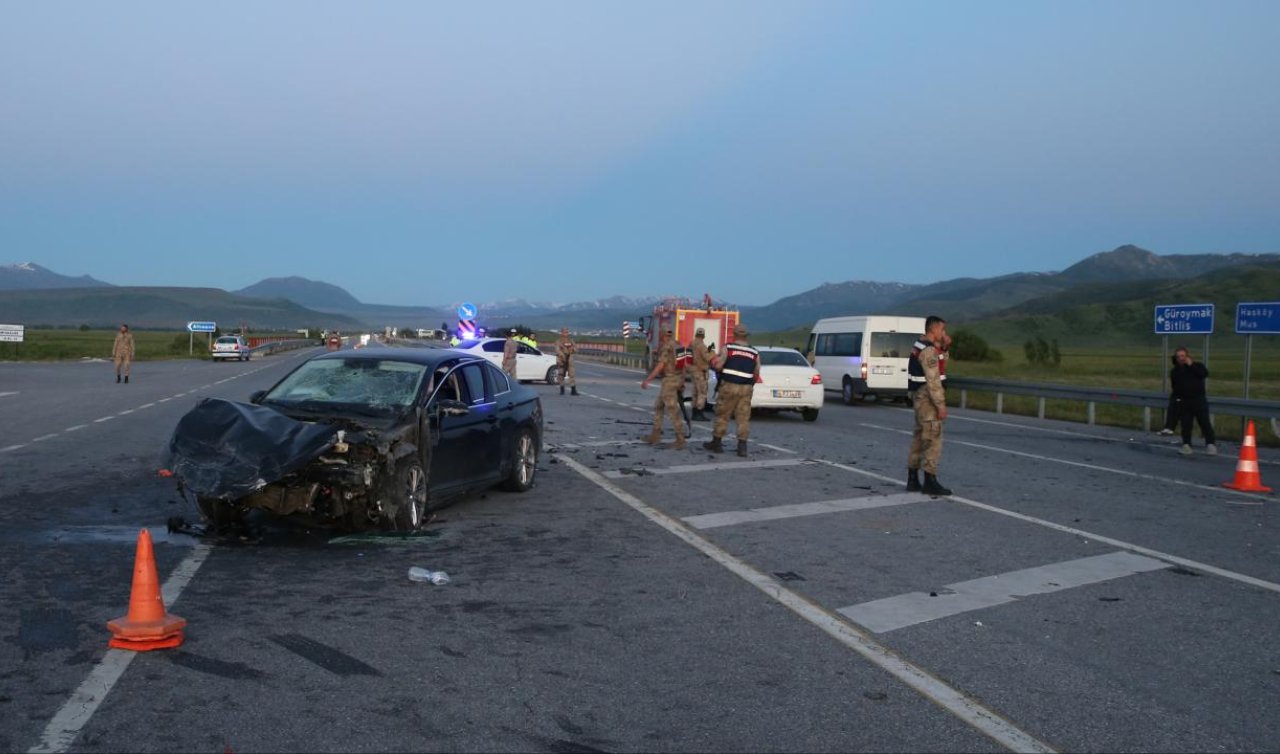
<point x="60" y="344"/>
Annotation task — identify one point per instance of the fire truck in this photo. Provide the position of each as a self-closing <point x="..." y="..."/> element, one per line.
<point x="684" y="317"/>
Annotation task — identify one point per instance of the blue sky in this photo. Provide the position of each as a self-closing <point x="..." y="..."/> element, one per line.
<point x="425" y="153"/>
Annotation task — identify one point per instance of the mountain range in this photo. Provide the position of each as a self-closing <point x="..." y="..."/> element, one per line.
<point x="30" y="293"/>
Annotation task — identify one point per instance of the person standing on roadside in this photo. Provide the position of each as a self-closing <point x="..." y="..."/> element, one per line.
<point x="565" y="349"/>
<point x="1187" y="378"/>
<point x="509" y="351"/>
<point x="701" y="363"/>
<point x="929" y="398"/>
<point x="122" y="353"/>
<point x="668" y="398"/>
<point x="739" y="370"/>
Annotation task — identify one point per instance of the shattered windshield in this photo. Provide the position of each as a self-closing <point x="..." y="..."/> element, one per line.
<point x="379" y="384"/>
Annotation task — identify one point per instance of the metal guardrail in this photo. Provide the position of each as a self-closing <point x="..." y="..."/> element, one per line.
<point x="283" y="345"/>
<point x="1092" y="396"/>
<point x="633" y="360"/>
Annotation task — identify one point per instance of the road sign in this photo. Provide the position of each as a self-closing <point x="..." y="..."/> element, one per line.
<point x="1258" y="318"/>
<point x="1184" y="319"/>
<point x="12" y="333"/>
<point x="201" y="327"/>
<point x="467" y="311"/>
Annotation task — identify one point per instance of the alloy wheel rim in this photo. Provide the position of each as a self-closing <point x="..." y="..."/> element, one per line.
<point x="415" y="496"/>
<point x="526" y="459"/>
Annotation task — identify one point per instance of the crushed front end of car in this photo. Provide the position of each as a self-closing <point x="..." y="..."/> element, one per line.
<point x="338" y="472"/>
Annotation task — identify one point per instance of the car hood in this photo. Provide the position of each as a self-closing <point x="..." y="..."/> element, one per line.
<point x="227" y="449"/>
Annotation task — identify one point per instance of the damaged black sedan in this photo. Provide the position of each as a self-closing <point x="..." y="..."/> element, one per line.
<point x="367" y="439"/>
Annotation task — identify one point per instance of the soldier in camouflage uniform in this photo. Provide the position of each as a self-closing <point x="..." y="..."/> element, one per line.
<point x="930" y="401"/>
<point x="701" y="363"/>
<point x="565" y="348"/>
<point x="739" y="369"/>
<point x="672" y="382"/>
<point x="509" y="350"/>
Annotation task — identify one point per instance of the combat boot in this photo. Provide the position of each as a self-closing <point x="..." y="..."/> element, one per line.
<point x="117" y="379"/>
<point x="126" y="379"/>
<point x="714" y="445"/>
<point x="698" y="416"/>
<point x="913" y="480"/>
<point x="562" y="389"/>
<point x="933" y="487"/>
<point x="573" y="390"/>
<point x="742" y="448"/>
<point x="654" y="437"/>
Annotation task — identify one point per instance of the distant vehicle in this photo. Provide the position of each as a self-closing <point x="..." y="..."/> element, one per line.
<point x="360" y="439"/>
<point x="230" y="347"/>
<point x="333" y="342"/>
<point x="864" y="355"/>
<point x="532" y="365"/>
<point x="787" y="383"/>
<point x="684" y="318"/>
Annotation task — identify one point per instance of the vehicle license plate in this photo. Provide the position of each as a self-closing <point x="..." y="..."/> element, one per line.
<point x="882" y="370"/>
<point x="786" y="393"/>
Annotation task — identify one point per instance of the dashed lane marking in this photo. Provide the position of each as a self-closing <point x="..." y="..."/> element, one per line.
<point x="13" y="447"/>
<point x="145" y="405"/>
<point x="776" y="512"/>
<point x="42" y="438"/>
<point x="1081" y="464"/>
<point x="103" y="419"/>
<point x="76" y="428"/>
<point x="67" y="723"/>
<point x="126" y="412"/>
<point x="955" y="701"/>
<point x="1243" y="578"/>
<point x="726" y="466"/>
<point x="6" y="393"/>
<point x="893" y="613"/>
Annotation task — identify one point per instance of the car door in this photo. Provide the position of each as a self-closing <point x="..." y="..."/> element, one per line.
<point x="492" y="352"/>
<point x="529" y="363"/>
<point x="453" y="434"/>
<point x="486" y="444"/>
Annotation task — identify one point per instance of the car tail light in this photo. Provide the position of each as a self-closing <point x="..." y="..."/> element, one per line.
<point x="864" y="370"/>
<point x="816" y="380"/>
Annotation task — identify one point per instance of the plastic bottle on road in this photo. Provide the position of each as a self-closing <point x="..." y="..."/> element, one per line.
<point x="439" y="578"/>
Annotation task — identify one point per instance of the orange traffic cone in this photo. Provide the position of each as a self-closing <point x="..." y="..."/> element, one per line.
<point x="1247" y="477"/>
<point x="147" y="626"/>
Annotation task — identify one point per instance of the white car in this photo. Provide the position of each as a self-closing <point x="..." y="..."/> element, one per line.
<point x="230" y="347"/>
<point x="531" y="364"/>
<point x="787" y="383"/>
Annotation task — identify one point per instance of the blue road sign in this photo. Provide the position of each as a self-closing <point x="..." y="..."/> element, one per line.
<point x="1184" y="319"/>
<point x="467" y="311"/>
<point x="1258" y="318"/>
<point x="202" y="326"/>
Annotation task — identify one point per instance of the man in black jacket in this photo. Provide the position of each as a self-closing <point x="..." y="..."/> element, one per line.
<point x="1187" y="378"/>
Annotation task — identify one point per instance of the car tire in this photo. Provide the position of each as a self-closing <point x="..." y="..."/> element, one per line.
<point x="810" y="414"/>
<point x="409" y="490"/>
<point x="846" y="393"/>
<point x="524" y="462"/>
<point x="553" y="375"/>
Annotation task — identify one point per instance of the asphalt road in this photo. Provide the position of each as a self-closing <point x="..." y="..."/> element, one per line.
<point x="1088" y="589"/>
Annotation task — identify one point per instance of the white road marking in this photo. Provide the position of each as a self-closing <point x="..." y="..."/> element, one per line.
<point x="1243" y="578"/>
<point x="13" y="447"/>
<point x="145" y="405"/>
<point x="963" y="706"/>
<point x="67" y="723"/>
<point x="126" y="412"/>
<point x="728" y="465"/>
<point x="42" y="438"/>
<point x="76" y="428"/>
<point x="893" y="613"/>
<point x="773" y="513"/>
<point x="103" y="419"/>
<point x="778" y="448"/>
<point x="1083" y="465"/>
<point x="164" y="400"/>
<point x="8" y="393"/>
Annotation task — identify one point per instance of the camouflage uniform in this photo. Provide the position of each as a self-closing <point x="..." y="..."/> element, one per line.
<point x="926" y="440"/>
<point x="565" y="349"/>
<point x="701" y="362"/>
<point x="122" y="354"/>
<point x="509" y="350"/>
<point x="739" y="370"/>
<point x="668" y="397"/>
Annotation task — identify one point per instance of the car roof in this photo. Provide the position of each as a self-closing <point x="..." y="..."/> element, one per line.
<point x="775" y="348"/>
<point x="430" y="357"/>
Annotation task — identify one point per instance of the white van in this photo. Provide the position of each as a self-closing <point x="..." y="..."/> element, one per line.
<point x="864" y="355"/>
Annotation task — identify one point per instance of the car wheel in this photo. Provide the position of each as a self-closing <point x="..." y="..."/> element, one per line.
<point x="810" y="414"/>
<point x="524" y="462"/>
<point x="409" y="492"/>
<point x="553" y="375"/>
<point x="847" y="394"/>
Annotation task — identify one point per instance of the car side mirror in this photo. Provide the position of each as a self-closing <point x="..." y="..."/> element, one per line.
<point x="257" y="395"/>
<point x="451" y="407"/>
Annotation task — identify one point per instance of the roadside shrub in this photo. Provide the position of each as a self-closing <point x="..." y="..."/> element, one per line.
<point x="967" y="345"/>
<point x="1041" y="352"/>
